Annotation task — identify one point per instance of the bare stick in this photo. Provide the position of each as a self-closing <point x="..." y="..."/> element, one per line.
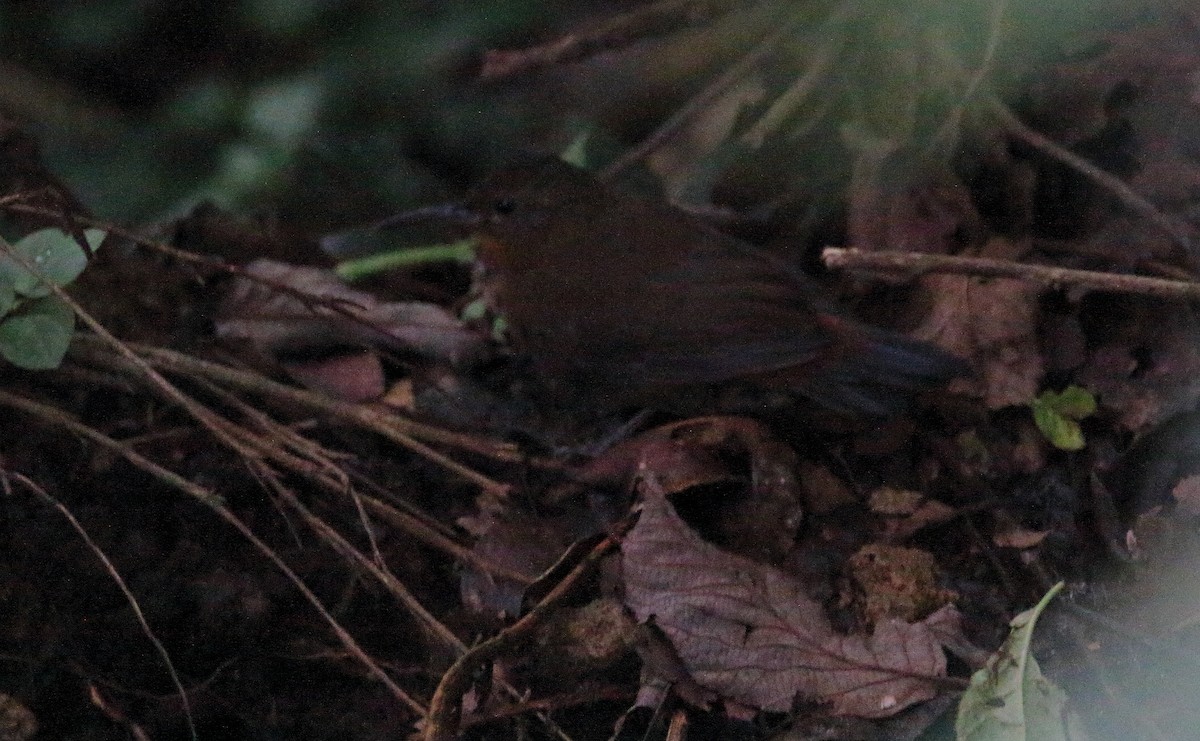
<point x="654" y="19"/>
<point x="1127" y="195"/>
<point x="111" y="568"/>
<point x="701" y="100"/>
<point x="918" y="263"/>
<point x="58" y="418"/>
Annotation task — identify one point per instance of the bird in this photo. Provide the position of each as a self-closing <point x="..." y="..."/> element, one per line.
<point x="618" y="299"/>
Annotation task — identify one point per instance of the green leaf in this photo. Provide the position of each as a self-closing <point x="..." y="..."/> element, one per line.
<point x="53" y="253"/>
<point x="8" y="296"/>
<point x="37" y="337"/>
<point x="1057" y="415"/>
<point x="1074" y="402"/>
<point x="1010" y="699"/>
<point x="1063" y="433"/>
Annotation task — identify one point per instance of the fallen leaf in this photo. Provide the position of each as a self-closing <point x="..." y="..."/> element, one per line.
<point x="748" y="632"/>
<point x="519" y="544"/>
<point x="1147" y="371"/>
<point x="993" y="324"/>
<point x="287" y="308"/>
<point x="355" y="376"/>
<point x="737" y="477"/>
<point x="1019" y="537"/>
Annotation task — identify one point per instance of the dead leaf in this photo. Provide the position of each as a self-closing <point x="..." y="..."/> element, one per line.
<point x="993" y="324"/>
<point x="1019" y="537"/>
<point x="748" y="632"/>
<point x="356" y="376"/>
<point x="824" y="491"/>
<point x="293" y="308"/>
<point x="519" y="544"/>
<point x="906" y="512"/>
<point x="1149" y="369"/>
<point x="732" y="471"/>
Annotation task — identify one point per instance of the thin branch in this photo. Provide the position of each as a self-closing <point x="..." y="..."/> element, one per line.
<point x="57" y="418"/>
<point x="654" y="19"/>
<point x="918" y="263"/>
<point x="730" y="77"/>
<point x="442" y="724"/>
<point x="380" y="420"/>
<point x="111" y="568"/>
<point x="1125" y="194"/>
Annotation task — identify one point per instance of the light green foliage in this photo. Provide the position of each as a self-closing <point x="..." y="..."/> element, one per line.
<point x="1057" y="415"/>
<point x="36" y="326"/>
<point x="1010" y="699"/>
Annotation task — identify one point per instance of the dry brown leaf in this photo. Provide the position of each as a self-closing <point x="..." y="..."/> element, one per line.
<point x="1019" y="537"/>
<point x="748" y="632"/>
<point x="907" y="512"/>
<point x="1150" y="371"/>
<point x="992" y="323"/>
<point x="519" y="543"/>
<point x="354" y="376"/>
<point x="332" y="314"/>
<point x="762" y="503"/>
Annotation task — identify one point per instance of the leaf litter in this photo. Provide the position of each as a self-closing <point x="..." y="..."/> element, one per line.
<point x="715" y="567"/>
<point x="749" y="632"/>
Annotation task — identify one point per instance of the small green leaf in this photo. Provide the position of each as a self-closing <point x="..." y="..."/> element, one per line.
<point x="37" y="337"/>
<point x="53" y="253"/>
<point x="473" y="311"/>
<point x="1062" y="433"/>
<point x="1057" y="414"/>
<point x="1074" y="402"/>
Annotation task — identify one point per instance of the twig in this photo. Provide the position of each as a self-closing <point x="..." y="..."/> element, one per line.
<point x="58" y="418"/>
<point x="386" y="423"/>
<point x="918" y="263"/>
<point x="1125" y="194"/>
<point x="445" y="709"/>
<point x="673" y="125"/>
<point x="111" y="568"/>
<point x="624" y="29"/>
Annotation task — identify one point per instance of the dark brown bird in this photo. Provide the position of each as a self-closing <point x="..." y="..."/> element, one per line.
<point x="619" y="299"/>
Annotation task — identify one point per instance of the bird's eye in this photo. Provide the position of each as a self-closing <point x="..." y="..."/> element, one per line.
<point x="504" y="206"/>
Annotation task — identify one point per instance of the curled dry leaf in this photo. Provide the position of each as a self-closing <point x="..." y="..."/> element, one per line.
<point x="707" y="454"/>
<point x="356" y="376"/>
<point x="906" y="512"/>
<point x="748" y="632"/>
<point x="1186" y="494"/>
<point x="317" y="310"/>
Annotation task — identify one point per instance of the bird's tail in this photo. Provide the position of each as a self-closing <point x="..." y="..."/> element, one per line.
<point x="879" y="373"/>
